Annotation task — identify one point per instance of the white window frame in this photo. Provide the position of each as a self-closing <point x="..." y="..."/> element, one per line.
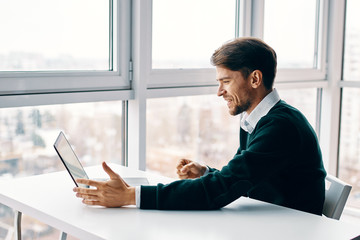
<point x="154" y="83"/>
<point x="249" y="22"/>
<point x="52" y="82"/>
<point x="306" y="74"/>
<point x="159" y="78"/>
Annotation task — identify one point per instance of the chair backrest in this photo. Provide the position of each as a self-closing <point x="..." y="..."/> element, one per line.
<point x="336" y="196"/>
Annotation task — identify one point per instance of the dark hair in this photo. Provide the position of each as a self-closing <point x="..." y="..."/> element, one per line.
<point x="246" y="55"/>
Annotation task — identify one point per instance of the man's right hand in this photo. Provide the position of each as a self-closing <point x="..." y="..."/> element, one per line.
<point x="187" y="169"/>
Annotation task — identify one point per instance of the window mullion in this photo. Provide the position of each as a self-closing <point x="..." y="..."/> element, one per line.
<point x="331" y="96"/>
<point x="257" y="18"/>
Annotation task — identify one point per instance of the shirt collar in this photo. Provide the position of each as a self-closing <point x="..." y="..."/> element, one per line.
<point x="248" y="121"/>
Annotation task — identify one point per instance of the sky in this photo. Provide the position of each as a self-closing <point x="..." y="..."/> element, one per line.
<point x="55" y="27"/>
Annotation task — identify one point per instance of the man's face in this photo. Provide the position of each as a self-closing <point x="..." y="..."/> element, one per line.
<point x="235" y="89"/>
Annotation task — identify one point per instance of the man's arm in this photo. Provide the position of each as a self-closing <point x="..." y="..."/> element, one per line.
<point x="270" y="150"/>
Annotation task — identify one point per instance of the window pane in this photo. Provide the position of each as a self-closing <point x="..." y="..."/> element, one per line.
<point x="349" y="156"/>
<point x="185" y="32"/>
<point x="27" y="135"/>
<point x="302" y="99"/>
<point x="289" y="27"/>
<point x="197" y="127"/>
<point x="352" y="42"/>
<point x="43" y="35"/>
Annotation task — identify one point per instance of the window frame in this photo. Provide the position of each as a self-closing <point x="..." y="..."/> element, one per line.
<point x="320" y="55"/>
<point x="40" y="82"/>
<point x="341" y="84"/>
<point x="249" y="22"/>
<point x="159" y="78"/>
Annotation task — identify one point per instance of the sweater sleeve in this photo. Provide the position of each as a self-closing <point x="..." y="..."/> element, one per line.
<point x="270" y="147"/>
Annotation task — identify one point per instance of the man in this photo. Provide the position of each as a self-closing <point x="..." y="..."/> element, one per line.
<point x="279" y="159"/>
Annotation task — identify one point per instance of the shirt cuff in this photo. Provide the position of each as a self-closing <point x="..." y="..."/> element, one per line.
<point x="137" y="196"/>
<point x="206" y="171"/>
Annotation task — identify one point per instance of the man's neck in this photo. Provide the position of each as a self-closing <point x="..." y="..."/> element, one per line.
<point x="258" y="98"/>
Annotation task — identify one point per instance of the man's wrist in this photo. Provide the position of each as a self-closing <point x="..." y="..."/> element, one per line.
<point x="204" y="170"/>
<point x="131" y="196"/>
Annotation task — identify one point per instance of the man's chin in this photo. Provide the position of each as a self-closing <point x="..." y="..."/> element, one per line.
<point x="235" y="111"/>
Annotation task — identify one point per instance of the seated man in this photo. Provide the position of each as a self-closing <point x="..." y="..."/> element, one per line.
<point x="278" y="161"/>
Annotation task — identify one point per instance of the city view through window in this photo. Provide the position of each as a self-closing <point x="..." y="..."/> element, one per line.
<point x="201" y="129"/>
<point x="197" y="128"/>
<point x="44" y="35"/>
<point x="349" y="145"/>
<point x="349" y="156"/>
<point x="27" y="135"/>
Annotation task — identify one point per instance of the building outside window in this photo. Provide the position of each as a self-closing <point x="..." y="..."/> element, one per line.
<point x="201" y="129"/>
<point x="349" y="147"/>
<point x="27" y="135"/>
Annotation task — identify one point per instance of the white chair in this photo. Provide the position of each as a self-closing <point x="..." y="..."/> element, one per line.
<point x="336" y="196"/>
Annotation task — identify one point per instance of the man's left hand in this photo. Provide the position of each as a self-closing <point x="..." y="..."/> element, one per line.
<point x="112" y="193"/>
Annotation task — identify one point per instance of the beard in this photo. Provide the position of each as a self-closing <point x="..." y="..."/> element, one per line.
<point x="240" y="108"/>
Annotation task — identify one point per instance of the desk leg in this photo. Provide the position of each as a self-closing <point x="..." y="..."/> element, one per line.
<point x="17" y="224"/>
<point x="63" y="236"/>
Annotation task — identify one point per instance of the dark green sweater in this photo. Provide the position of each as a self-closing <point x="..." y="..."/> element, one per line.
<point x="279" y="162"/>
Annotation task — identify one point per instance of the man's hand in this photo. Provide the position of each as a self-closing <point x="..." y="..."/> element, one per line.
<point x="187" y="169"/>
<point x="112" y="193"/>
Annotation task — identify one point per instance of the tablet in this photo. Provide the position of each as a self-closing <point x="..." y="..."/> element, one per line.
<point x="69" y="159"/>
<point x="76" y="170"/>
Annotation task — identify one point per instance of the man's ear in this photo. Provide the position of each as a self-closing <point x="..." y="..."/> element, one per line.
<point x="256" y="78"/>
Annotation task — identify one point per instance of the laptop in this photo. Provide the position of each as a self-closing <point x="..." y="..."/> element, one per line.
<point x="75" y="168"/>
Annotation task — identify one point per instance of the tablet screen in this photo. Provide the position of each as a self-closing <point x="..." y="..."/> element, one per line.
<point x="69" y="158"/>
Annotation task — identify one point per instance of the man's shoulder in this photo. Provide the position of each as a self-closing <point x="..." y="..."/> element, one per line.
<point x="283" y="114"/>
<point x="283" y="110"/>
<point x="281" y="105"/>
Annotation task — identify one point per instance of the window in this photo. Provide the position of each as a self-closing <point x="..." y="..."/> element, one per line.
<point x="186" y="32"/>
<point x="352" y="42"/>
<point x="290" y="27"/>
<point x="184" y="36"/>
<point x="50" y="35"/>
<point x="27" y="135"/>
<point x="62" y="46"/>
<point x="303" y="99"/>
<point x="198" y="128"/>
<point x="349" y="155"/>
<point x="297" y="30"/>
<point x="349" y="142"/>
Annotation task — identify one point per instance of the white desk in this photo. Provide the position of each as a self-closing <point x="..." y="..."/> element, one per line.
<point x="50" y="199"/>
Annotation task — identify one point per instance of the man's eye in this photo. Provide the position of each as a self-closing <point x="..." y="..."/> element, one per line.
<point x="226" y="82"/>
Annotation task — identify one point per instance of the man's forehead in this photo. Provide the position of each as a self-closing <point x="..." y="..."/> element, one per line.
<point x="223" y="73"/>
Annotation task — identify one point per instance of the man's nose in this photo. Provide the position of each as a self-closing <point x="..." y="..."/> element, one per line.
<point x="220" y="91"/>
